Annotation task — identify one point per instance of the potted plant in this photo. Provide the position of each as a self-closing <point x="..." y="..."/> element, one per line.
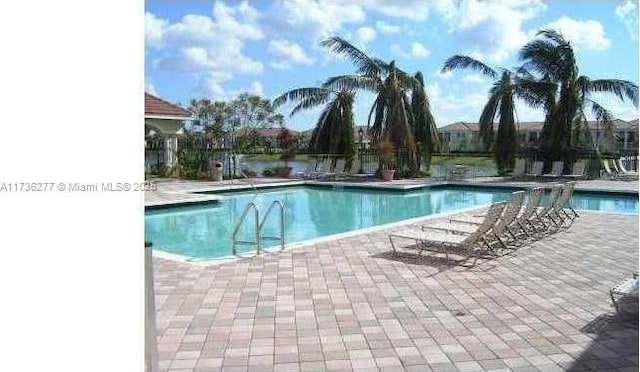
<point x="386" y="149"/>
<point x="288" y="151"/>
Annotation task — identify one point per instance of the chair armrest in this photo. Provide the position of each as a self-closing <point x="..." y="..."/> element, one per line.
<point x="467" y="222"/>
<point x="454" y="231"/>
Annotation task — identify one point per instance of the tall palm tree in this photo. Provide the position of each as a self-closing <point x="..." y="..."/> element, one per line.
<point x="564" y="94"/>
<point x="391" y="111"/>
<point x="500" y="104"/>
<point x="333" y="133"/>
<point x="424" y="124"/>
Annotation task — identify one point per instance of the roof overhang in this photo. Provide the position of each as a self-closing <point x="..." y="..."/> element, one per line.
<point x="167" y="117"/>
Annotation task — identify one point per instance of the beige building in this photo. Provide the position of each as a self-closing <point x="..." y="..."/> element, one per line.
<point x="465" y="137"/>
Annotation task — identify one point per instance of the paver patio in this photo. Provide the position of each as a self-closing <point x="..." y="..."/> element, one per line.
<point x="348" y="304"/>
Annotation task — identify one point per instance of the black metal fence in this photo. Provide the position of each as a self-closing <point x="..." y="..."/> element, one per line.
<point x="591" y="157"/>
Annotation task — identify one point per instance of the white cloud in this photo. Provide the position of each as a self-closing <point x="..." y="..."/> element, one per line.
<point x="150" y="88"/>
<point x="154" y="29"/>
<point x="443" y="75"/>
<point x="491" y="30"/>
<point x="289" y="53"/>
<point x="628" y="14"/>
<point x="364" y="35"/>
<point x="586" y="34"/>
<point x="475" y="78"/>
<point x="257" y="88"/>
<point x="387" y="28"/>
<point x="315" y="19"/>
<point x="419" y="51"/>
<point x="415" y="10"/>
<point x="210" y="48"/>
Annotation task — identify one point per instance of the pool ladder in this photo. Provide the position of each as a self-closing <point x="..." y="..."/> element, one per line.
<point x="258" y="225"/>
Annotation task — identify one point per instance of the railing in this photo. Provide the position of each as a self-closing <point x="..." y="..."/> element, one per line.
<point x="256" y="215"/>
<point x="264" y="219"/>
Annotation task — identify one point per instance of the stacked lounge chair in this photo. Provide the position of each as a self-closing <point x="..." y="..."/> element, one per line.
<point x="556" y="170"/>
<point x="506" y="224"/>
<point x="536" y="169"/>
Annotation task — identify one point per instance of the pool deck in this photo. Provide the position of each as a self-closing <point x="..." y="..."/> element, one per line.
<point x="349" y="304"/>
<point x="172" y="191"/>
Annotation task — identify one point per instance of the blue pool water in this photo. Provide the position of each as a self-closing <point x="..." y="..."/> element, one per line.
<point x="204" y="231"/>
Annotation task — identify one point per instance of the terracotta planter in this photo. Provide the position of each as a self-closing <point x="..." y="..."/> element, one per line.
<point x="284" y="172"/>
<point x="387" y="174"/>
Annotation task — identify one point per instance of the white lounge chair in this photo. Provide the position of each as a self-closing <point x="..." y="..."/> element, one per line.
<point x="444" y="240"/>
<point x="577" y="171"/>
<point x="536" y="169"/>
<point x="563" y="202"/>
<point x="546" y="212"/>
<point x="624" y="170"/>
<point x="519" y="168"/>
<point x="506" y="224"/>
<point x="556" y="170"/>
<point x="614" y="175"/>
<point x="525" y="218"/>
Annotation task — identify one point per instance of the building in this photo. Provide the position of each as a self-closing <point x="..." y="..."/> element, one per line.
<point x="165" y="119"/>
<point x="465" y="137"/>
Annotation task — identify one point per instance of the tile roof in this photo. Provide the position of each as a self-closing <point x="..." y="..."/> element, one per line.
<point x="157" y="106"/>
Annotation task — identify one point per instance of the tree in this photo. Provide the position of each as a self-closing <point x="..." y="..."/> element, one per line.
<point x="552" y="81"/>
<point x="252" y="111"/>
<point x="391" y="110"/>
<point x="500" y="104"/>
<point x="424" y="124"/>
<point x="210" y="117"/>
<point x="333" y="133"/>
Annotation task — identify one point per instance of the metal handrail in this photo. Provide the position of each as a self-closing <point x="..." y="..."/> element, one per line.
<point x="264" y="219"/>
<point x="256" y="216"/>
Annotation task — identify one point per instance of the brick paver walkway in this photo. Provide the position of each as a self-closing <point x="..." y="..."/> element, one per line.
<point x="348" y="304"/>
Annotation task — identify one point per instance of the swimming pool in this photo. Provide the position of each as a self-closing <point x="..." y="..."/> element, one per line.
<point x="203" y="231"/>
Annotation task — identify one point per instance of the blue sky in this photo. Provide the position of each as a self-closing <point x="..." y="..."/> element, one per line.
<point x="205" y="49"/>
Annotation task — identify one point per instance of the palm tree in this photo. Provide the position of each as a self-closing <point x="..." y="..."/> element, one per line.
<point x="501" y="104"/>
<point x="424" y="124"/>
<point x="391" y="111"/>
<point x="552" y="74"/>
<point x="333" y="133"/>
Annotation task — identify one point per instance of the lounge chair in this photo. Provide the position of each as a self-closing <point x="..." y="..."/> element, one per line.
<point x="506" y="225"/>
<point x="308" y="172"/>
<point x="563" y="202"/>
<point x="577" y="171"/>
<point x="624" y="170"/>
<point x="536" y="169"/>
<point x="556" y="170"/>
<point x="355" y="167"/>
<point x="519" y="168"/>
<point x="614" y="175"/>
<point x="325" y="169"/>
<point x="444" y="240"/>
<point x="338" y="170"/>
<point x="546" y="212"/>
<point x="528" y="214"/>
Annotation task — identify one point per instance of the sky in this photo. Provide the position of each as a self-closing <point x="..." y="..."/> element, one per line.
<point x="218" y="49"/>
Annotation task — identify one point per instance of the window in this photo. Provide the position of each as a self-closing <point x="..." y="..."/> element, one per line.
<point x="447" y="136"/>
<point x="459" y="135"/>
<point x="631" y="137"/>
<point x="533" y="136"/>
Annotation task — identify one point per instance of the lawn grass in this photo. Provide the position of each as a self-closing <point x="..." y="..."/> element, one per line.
<point x="477" y="161"/>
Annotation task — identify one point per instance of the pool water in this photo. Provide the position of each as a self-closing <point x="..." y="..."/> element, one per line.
<point x="204" y="231"/>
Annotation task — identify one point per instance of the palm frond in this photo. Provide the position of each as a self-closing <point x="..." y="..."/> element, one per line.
<point x="299" y="94"/>
<point x="364" y="63"/>
<point x="621" y="88"/>
<point x="352" y="82"/>
<point x="460" y="62"/>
